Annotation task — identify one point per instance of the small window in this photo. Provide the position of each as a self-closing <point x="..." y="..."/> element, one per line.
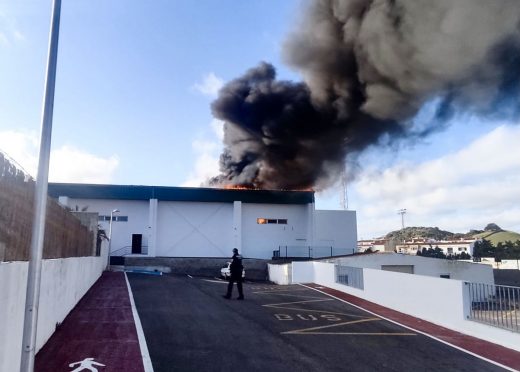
<point x="271" y="221"/>
<point x="122" y="218"/>
<point x="282" y="222"/>
<point x="101" y="218"/>
<point x="261" y="221"/>
<point x="445" y="276"/>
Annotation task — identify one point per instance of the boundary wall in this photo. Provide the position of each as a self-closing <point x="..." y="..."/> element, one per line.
<point x="444" y="302"/>
<point x="64" y="282"/>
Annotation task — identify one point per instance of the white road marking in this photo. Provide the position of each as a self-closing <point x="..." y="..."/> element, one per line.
<point x="147" y="362"/>
<point x="215" y="281"/>
<point x="415" y="330"/>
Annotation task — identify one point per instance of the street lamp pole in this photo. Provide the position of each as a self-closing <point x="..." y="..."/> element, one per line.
<point x="32" y="296"/>
<point x="110" y="235"/>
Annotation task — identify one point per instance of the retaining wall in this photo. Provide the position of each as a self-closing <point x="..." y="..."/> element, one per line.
<point x="64" y="282"/>
<point x="256" y="269"/>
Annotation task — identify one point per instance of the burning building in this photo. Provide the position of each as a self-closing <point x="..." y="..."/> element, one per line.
<point x="154" y="221"/>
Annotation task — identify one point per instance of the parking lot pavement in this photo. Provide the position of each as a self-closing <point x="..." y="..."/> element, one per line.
<point x="189" y="327"/>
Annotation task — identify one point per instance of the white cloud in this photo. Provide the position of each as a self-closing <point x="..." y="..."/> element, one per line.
<point x="210" y="85"/>
<point x="22" y="147"/>
<point x="4" y="40"/>
<point x="457" y="192"/>
<point x="67" y="163"/>
<point x="207" y="154"/>
<point x="9" y="32"/>
<point x="218" y="128"/>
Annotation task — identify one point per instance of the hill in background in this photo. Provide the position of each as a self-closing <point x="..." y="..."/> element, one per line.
<point x="491" y="232"/>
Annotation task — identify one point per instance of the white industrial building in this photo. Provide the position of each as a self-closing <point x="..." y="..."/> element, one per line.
<point x="159" y="221"/>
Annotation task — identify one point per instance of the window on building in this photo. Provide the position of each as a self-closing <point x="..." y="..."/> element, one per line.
<point x="114" y="218"/>
<point x="445" y="276"/>
<point x="450" y="250"/>
<point x="270" y="221"/>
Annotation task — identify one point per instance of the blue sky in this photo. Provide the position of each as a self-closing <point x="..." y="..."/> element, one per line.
<point x="134" y="86"/>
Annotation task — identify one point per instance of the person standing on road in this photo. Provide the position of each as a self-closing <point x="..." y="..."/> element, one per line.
<point x="235" y="269"/>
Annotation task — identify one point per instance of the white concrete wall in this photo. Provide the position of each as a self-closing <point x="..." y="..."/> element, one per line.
<point x="189" y="229"/>
<point x="280" y="274"/>
<point x="64" y="282"/>
<point x="337" y="229"/>
<point x="259" y="241"/>
<point x="458" y="270"/>
<point x="138" y="219"/>
<point x="505" y="264"/>
<point x="303" y="272"/>
<point x="440" y="301"/>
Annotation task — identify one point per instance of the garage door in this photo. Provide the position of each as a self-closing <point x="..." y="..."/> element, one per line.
<point x="408" y="269"/>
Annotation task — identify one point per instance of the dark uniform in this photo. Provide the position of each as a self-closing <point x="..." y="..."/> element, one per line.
<point x="235" y="275"/>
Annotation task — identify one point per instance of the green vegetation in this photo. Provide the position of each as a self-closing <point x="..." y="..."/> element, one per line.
<point x="503" y="250"/>
<point x="496" y="237"/>
<point x="494" y="242"/>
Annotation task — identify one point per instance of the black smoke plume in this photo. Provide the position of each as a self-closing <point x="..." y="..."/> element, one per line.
<point x="368" y="66"/>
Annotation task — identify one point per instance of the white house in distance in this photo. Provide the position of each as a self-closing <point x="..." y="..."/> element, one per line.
<point x="449" y="247"/>
<point x="158" y="221"/>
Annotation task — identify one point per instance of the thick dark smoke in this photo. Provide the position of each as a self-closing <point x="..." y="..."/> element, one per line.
<point x="368" y="67"/>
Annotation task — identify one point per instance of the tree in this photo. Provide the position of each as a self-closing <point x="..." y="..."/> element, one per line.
<point x="492" y="227"/>
<point x="483" y="248"/>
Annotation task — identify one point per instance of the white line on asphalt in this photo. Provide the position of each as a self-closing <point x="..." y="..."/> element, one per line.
<point x="304" y="330"/>
<point x="215" y="281"/>
<point x="415" y="330"/>
<point x="147" y="362"/>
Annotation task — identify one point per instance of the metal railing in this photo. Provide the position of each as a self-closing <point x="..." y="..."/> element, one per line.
<point x="309" y="251"/>
<point x="496" y="305"/>
<point x="351" y="276"/>
<point x="127" y="249"/>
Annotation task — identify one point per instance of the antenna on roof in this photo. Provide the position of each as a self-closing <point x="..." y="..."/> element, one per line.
<point x="344" y="193"/>
<point x="402" y="212"/>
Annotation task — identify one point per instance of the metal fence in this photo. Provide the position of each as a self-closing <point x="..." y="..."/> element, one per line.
<point x="309" y="251"/>
<point x="496" y="305"/>
<point x="351" y="276"/>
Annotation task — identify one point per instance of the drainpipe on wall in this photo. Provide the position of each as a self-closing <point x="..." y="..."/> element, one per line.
<point x="310" y="224"/>
<point x="152" y="227"/>
<point x="237" y="226"/>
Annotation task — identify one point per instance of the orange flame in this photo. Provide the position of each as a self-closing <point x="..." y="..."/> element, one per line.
<point x="247" y="187"/>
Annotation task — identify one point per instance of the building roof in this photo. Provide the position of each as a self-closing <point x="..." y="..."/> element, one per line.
<point x="132" y="192"/>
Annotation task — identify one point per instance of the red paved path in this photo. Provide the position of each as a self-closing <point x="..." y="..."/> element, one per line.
<point x="494" y="352"/>
<point x="101" y="326"/>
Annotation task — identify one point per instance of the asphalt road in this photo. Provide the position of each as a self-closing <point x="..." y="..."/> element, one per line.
<point x="189" y="327"/>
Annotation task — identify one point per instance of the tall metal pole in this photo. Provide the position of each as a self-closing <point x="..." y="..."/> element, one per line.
<point x="402" y="213"/>
<point x="40" y="201"/>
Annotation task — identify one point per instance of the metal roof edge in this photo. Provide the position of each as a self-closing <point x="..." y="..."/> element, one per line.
<point x="173" y="193"/>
